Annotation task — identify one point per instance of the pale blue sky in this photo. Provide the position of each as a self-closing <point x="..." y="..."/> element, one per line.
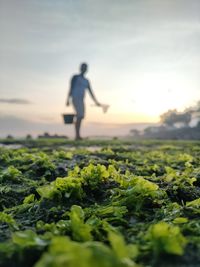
<point x="143" y="56"/>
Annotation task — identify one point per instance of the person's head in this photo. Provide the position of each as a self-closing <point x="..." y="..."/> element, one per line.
<point x="83" y="68"/>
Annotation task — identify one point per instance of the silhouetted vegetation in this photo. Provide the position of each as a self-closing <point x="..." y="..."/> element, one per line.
<point x="172" y="117"/>
<point x="174" y="125"/>
<point x="47" y="135"/>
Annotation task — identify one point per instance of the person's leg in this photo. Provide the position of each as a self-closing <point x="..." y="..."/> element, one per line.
<point x="80" y="112"/>
<point x="78" y="127"/>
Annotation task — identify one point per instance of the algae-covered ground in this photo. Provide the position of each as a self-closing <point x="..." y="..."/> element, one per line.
<point x="99" y="203"/>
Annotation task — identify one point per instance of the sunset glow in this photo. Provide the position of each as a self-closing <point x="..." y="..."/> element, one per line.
<point x="143" y="57"/>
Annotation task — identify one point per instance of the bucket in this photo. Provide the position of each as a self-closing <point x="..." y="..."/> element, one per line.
<point x="68" y="118"/>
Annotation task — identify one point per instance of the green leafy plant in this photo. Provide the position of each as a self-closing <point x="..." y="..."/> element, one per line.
<point x="99" y="203"/>
<point x="166" y="238"/>
<point x="62" y="187"/>
<point x="80" y="230"/>
<point x="93" y="175"/>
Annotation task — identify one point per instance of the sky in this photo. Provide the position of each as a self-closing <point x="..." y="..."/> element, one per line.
<point x="143" y="58"/>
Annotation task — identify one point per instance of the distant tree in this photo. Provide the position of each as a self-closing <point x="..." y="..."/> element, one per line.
<point x="185" y="118"/>
<point x="171" y="117"/>
<point x="46" y="134"/>
<point x="168" y="118"/>
<point x="197" y="110"/>
<point x="198" y="125"/>
<point x="198" y="106"/>
<point x="10" y="136"/>
<point x="28" y="137"/>
<point x="148" y="130"/>
<point x="135" y="132"/>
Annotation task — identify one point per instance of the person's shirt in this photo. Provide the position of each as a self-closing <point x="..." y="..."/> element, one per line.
<point x="78" y="86"/>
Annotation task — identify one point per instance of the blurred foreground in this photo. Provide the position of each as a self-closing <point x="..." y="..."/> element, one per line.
<point x="110" y="203"/>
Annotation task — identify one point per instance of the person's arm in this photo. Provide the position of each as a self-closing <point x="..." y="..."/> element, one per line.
<point x="70" y="91"/>
<point x="92" y="95"/>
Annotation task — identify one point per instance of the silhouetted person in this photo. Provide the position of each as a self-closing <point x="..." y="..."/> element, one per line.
<point x="78" y="86"/>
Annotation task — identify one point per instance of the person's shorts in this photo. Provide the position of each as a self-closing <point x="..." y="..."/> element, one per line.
<point x="79" y="107"/>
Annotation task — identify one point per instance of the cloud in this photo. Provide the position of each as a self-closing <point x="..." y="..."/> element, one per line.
<point x="19" y="101"/>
